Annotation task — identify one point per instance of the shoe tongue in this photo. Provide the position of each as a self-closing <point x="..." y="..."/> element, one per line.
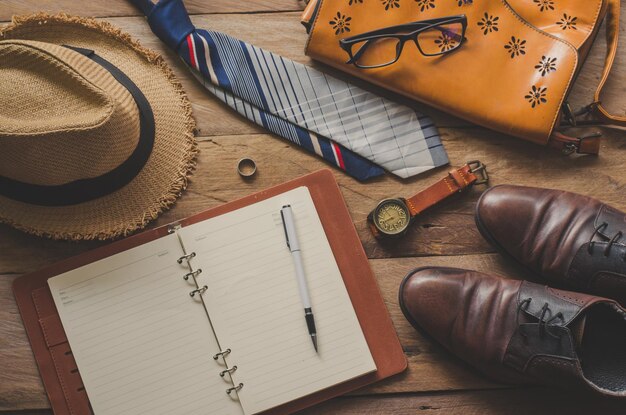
<point x="577" y="329"/>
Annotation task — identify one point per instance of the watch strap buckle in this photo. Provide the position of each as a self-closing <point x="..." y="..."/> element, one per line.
<point x="479" y="170"/>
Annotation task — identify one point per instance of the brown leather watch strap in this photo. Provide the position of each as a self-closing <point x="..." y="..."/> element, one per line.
<point x="472" y="173"/>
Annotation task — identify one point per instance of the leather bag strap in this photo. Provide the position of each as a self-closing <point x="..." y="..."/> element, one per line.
<point x="591" y="144"/>
<point x="612" y="36"/>
<point x="456" y="181"/>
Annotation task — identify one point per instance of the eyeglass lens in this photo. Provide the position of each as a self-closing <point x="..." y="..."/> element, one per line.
<point x="441" y="38"/>
<point x="376" y="52"/>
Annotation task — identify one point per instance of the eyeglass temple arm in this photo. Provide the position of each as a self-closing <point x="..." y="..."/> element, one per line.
<point x="392" y="30"/>
<point x="407" y="26"/>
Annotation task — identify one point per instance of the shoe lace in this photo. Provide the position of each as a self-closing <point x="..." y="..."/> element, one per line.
<point x="612" y="241"/>
<point x="543" y="323"/>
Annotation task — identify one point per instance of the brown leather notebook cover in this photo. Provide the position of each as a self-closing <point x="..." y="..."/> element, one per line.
<point x="58" y="369"/>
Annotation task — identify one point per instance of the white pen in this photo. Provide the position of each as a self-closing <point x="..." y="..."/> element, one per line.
<point x="294" y="247"/>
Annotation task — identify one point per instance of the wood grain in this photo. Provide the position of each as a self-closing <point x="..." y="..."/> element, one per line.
<point x="521" y="401"/>
<point x="446" y="230"/>
<point x="112" y="8"/>
<point x="20" y="385"/>
<point x="509" y="402"/>
<point x="436" y="382"/>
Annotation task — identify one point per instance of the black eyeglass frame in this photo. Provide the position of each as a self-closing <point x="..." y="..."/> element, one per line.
<point x="416" y="28"/>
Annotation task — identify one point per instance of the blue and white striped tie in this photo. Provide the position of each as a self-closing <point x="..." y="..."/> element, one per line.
<point x="346" y="125"/>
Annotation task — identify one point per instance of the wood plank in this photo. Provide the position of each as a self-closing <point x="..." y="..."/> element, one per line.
<point x="526" y="401"/>
<point x="431" y="368"/>
<point x="29" y="412"/>
<point x="446" y="230"/>
<point x="20" y="385"/>
<point x="113" y="8"/>
<point x="537" y="401"/>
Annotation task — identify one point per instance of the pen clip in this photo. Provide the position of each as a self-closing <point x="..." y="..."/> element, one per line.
<point x="282" y="217"/>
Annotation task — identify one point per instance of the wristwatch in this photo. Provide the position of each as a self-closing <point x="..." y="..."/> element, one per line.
<point x="392" y="217"/>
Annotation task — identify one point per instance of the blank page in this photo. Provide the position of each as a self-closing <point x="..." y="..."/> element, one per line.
<point x="142" y="344"/>
<point x="256" y="310"/>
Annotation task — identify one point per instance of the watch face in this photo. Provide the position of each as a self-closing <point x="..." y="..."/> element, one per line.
<point x="391" y="217"/>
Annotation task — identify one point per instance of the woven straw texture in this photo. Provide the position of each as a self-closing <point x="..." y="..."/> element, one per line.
<point x="84" y="125"/>
<point x="163" y="178"/>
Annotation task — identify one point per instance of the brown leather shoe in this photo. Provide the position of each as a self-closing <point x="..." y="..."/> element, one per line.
<point x="569" y="239"/>
<point x="520" y="332"/>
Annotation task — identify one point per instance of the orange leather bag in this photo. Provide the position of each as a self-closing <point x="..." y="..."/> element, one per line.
<point x="512" y="73"/>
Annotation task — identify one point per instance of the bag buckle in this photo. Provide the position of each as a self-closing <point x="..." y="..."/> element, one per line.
<point x="587" y="108"/>
<point x="571" y="115"/>
<point x="477" y="166"/>
<point x="571" y="148"/>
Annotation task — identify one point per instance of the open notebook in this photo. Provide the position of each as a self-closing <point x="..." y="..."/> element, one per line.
<point x="144" y="345"/>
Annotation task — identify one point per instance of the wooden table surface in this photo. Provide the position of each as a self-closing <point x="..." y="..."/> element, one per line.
<point x="435" y="382"/>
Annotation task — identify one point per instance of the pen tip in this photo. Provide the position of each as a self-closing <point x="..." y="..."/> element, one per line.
<point x="314" y="339"/>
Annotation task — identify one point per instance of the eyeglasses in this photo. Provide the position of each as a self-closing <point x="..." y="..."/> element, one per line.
<point x="383" y="47"/>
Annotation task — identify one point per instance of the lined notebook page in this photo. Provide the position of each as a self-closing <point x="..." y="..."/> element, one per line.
<point x="142" y="344"/>
<point x="255" y="307"/>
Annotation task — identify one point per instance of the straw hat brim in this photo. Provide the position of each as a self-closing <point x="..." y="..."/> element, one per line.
<point x="166" y="173"/>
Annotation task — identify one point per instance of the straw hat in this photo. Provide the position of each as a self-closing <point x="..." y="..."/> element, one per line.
<point x="93" y="145"/>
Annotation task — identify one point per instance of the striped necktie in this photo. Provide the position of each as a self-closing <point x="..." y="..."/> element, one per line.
<point x="349" y="127"/>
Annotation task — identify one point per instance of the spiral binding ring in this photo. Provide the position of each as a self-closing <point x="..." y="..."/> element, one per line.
<point x="234" y="388"/>
<point x="229" y="371"/>
<point x="186" y="257"/>
<point x="199" y="291"/>
<point x="193" y="274"/>
<point x="223" y="353"/>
